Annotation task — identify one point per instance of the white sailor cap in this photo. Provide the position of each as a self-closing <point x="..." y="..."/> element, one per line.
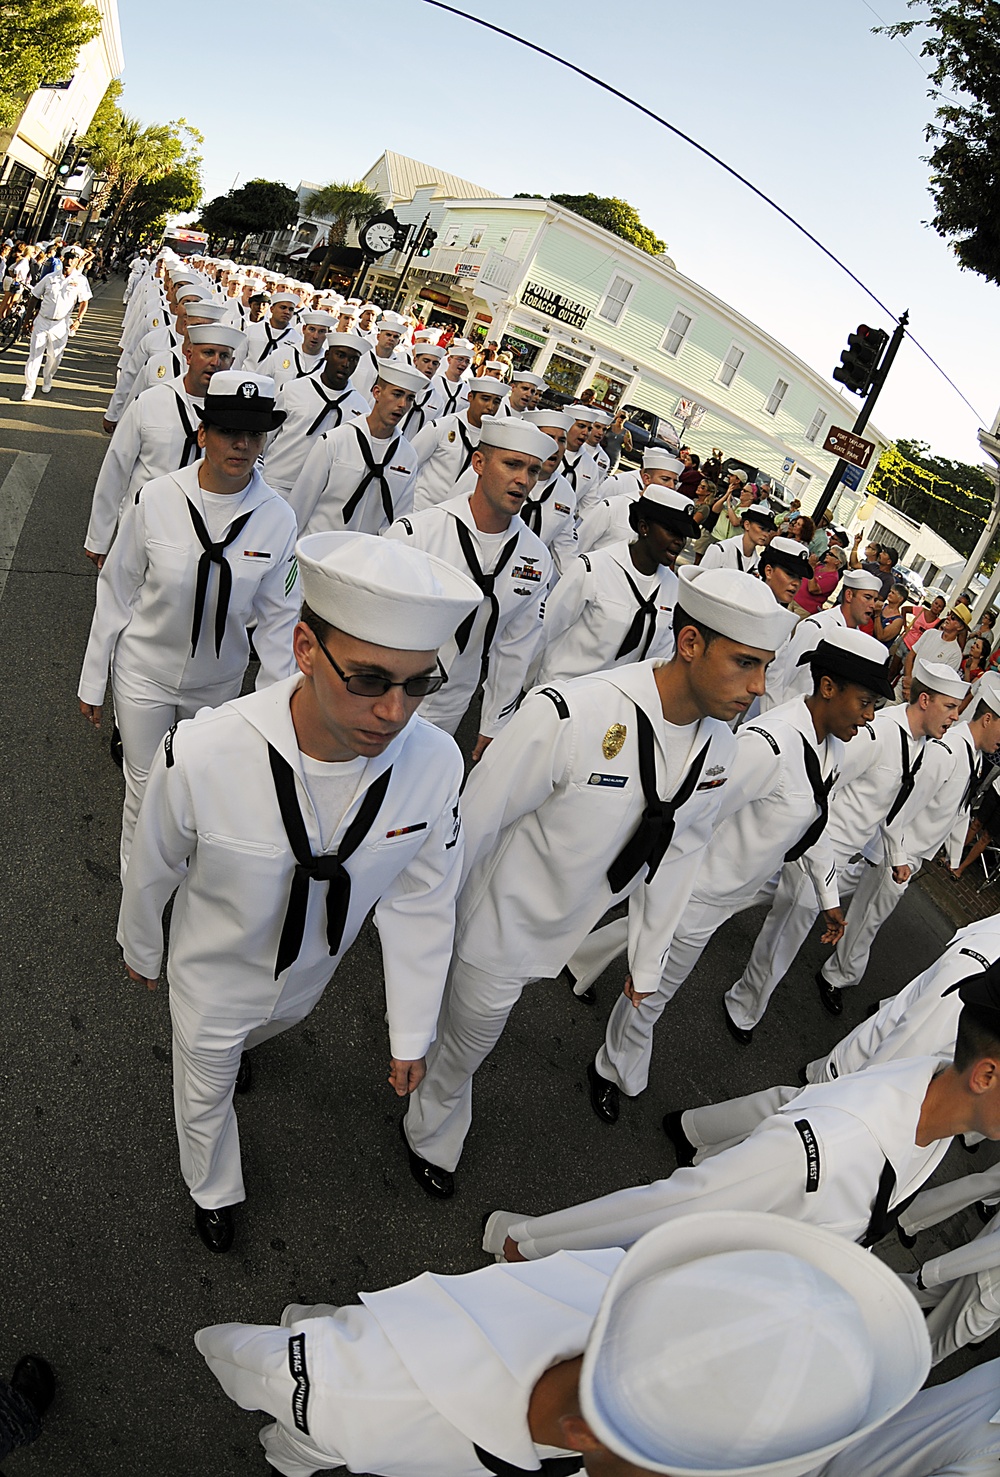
<point x="384" y="591"/>
<point x="391" y="322"/>
<point x="346" y="311"/>
<point x="791" y="553"/>
<point x="348" y="341"/>
<point x="206" y="309"/>
<point x="315" y="318"/>
<point x="852" y="655"/>
<point x="759" y="513"/>
<point x="220" y="334"/>
<point x="404" y="376"/>
<point x="656" y="460"/>
<point x="987" y="690"/>
<point x="525" y="377"/>
<point x="189" y="290"/>
<point x="602" y="418"/>
<point x="498" y="367"/>
<point x="427" y="335"/>
<point x="460" y="348"/>
<point x="514" y="434"/>
<point x="485" y="384"/>
<point x="427" y="346"/>
<point x="588" y="413"/>
<point x="544" y="418"/>
<point x="284" y="297"/>
<point x="735" y="605"/>
<point x="860" y="579"/>
<point x="706" y="1315"/>
<point x="355" y="302"/>
<point x="939" y="677"/>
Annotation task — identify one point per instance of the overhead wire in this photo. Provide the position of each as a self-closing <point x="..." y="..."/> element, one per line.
<point x="562" y="61"/>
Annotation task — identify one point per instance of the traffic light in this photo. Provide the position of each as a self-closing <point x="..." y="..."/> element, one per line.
<point x="401" y="238"/>
<point x="427" y="241"/>
<point x="859" y="361"/>
<point x="67" y="163"/>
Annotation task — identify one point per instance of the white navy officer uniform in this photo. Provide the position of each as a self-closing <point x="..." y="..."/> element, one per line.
<point x="937" y="811"/>
<point x="170" y="623"/>
<point x="157" y="434"/>
<point x="58" y="294"/>
<point x="444" y="450"/>
<point x="731" y="553"/>
<point x="589" y="796"/>
<point x="513" y="570"/>
<point x="788" y="676"/>
<point x="277" y="858"/>
<point x="353" y="480"/>
<point x="435" y="1377"/>
<point x="311" y="408"/>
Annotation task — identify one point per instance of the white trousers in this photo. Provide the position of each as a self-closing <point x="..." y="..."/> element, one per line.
<point x="474" y="1012"/>
<point x="876" y="897"/>
<point x="48" y="340"/>
<point x="964" y="1311"/>
<point x="206" y="1053"/>
<point x="145" y="712"/>
<point x="931" y="1207"/>
<point x="719" y="1126"/>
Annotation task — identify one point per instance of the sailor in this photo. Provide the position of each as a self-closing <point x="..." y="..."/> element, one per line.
<point x="743" y="551"/>
<point x="428" y="403"/>
<point x="158" y="432"/>
<point x="453" y="379"/>
<point x="347" y="320"/>
<point x="361" y="476"/>
<point x="595" y="436"/>
<point x="287" y="815"/>
<point x="616" y="605"/>
<point x="745" y="1346"/>
<point x="445" y="447"/>
<point x="579" y="466"/>
<point x="782" y="564"/>
<point x="168" y="363"/>
<point x="367" y="314"/>
<point x="390" y="330"/>
<point x="608" y="522"/>
<point x="879" y="772"/>
<point x="481" y="534"/>
<point x="201" y="554"/>
<point x="525" y="392"/>
<point x="774" y="811"/>
<point x="936" y="812"/>
<point x="590" y="796"/>
<point x="291" y="363"/>
<point x="789" y="675"/>
<point x="62" y="303"/>
<point x="314" y="404"/>
<point x="278" y="328"/>
<point x="846" y="1155"/>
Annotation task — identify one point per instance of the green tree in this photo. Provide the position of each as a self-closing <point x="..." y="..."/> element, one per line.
<point x="39" y="42"/>
<point x="346" y="204"/>
<point x="616" y="216"/>
<point x="962" y="42"/>
<point x="264" y="206"/>
<point x="133" y="161"/>
<point x="953" y="498"/>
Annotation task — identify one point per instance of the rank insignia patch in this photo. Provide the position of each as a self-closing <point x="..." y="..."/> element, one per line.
<point x="612" y="742"/>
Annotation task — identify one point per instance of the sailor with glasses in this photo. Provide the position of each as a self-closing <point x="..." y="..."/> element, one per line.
<point x="281" y="819"/>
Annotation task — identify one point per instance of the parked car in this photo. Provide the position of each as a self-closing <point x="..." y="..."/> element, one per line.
<point x="648" y="431"/>
<point x="904" y="575"/>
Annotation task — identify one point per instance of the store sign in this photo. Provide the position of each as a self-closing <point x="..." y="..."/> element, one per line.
<point x="13" y="194"/>
<point x="483" y="318"/>
<point x="467" y="269"/>
<point x="554" y="305"/>
<point x="441" y="299"/>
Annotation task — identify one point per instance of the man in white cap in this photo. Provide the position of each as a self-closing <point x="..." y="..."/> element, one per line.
<point x="550" y="508"/>
<point x="158" y="355"/>
<point x="367" y="314"/>
<point x="579" y="467"/>
<point x="158" y="432"/>
<point x="525" y="392"/>
<point x="591" y="795"/>
<point x="314" y="404"/>
<point x="936" y="813"/>
<point x="608" y="522"/>
<point x="361" y="475"/>
<point x="291" y="362"/>
<point x="389" y="333"/>
<point x="278" y="328"/>
<point x="789" y="676"/>
<point x="847" y="1155"/>
<point x="750" y="1347"/>
<point x="877" y="778"/>
<point x="616" y="605"/>
<point x="743" y="552"/>
<point x="428" y="403"/>
<point x="452" y="382"/>
<point x="481" y="534"/>
<point x="775" y="811"/>
<point x="61" y="302"/>
<point x="286" y="816"/>
<point x="446" y="446"/>
<point x="595" y="436"/>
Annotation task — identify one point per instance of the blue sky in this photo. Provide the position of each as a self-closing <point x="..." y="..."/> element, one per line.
<point x="801" y="98"/>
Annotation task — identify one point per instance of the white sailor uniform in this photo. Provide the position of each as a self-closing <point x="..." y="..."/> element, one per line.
<point x="311" y="408"/>
<point x="351" y="480"/>
<point x="256" y="931"/>
<point x="262" y="340"/>
<point x="57" y="296"/>
<point x="366" y="373"/>
<point x="454" y="394"/>
<point x="427" y="406"/>
<point x="284" y="363"/>
<point x="156" y="341"/>
<point x="785" y="678"/>
<point x="583" y="475"/>
<point x="606" y="525"/>
<point x="444" y="452"/>
<point x="729" y="554"/>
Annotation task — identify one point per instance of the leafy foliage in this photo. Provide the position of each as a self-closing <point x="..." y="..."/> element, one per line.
<point x="349" y="204"/>
<point x="616" y="216"/>
<point x="256" y="209"/>
<point x="39" y="42"/>
<point x="962" y="41"/>
<point x="953" y="498"/>
<point x="146" y="171"/>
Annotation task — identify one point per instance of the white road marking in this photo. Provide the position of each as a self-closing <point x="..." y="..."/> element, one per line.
<point x="17" y="492"/>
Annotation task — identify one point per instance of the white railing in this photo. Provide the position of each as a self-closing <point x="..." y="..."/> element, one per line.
<point x="499" y="272"/>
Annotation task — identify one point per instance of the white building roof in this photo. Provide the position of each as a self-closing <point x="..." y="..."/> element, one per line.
<point x="400" y="178"/>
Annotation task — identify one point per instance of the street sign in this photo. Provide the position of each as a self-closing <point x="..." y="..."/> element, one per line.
<point x="788" y="466"/>
<point x="691" y="413"/>
<point x="852" y="477"/>
<point x="852" y="448"/>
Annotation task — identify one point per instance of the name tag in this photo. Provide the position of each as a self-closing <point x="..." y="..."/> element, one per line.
<point x="612" y="781"/>
<point x="399" y="469"/>
<point x="710" y="784"/>
<point x="561" y="507"/>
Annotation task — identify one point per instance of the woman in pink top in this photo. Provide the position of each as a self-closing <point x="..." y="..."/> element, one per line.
<point x="813" y="594"/>
<point x="926" y="618"/>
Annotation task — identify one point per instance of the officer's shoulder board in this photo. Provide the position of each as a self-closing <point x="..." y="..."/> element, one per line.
<point x="556" y="699"/>
<point x="168" y="746"/>
<point x="775" y="748"/>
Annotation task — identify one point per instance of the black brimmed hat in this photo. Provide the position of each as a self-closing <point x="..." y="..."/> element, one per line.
<point x="241" y="402"/>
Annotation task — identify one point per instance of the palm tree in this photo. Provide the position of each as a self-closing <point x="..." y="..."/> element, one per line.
<point x="347" y="205"/>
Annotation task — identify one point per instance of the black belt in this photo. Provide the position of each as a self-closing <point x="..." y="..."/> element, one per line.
<point x="648" y="606"/>
<point x="821" y="795"/>
<point x="909" y="778"/>
<point x="649" y="842"/>
<point x="328" y="868"/>
<point x="375" y="472"/>
<point x="213" y="554"/>
<point x="487" y="583"/>
<point x="190" y="434"/>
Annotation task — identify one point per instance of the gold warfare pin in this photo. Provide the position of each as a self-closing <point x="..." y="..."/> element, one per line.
<point x="613" y="740"/>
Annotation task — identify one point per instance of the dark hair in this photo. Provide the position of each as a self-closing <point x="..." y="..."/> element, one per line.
<point x="695" y="459"/>
<point x="809" y="528"/>
<point x="978" y="1036"/>
<point x="982" y="708"/>
<point x="319" y="627"/>
<point x="917" y="689"/>
<point x="682" y="619"/>
<point x="841" y="683"/>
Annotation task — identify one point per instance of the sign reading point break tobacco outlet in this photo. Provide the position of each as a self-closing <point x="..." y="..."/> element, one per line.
<point x="554" y="305"/>
<point x="853" y="449"/>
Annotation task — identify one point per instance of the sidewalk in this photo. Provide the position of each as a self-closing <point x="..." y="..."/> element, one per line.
<point x="960" y="899"/>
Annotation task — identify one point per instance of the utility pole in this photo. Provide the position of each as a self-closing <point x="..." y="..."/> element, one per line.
<point x="879" y="380"/>
<point x="411" y="253"/>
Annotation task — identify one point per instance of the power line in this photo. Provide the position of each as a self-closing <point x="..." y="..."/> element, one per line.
<point x="665" y="123"/>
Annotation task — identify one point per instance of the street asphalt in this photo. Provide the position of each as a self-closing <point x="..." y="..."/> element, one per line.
<point x="102" y="1270"/>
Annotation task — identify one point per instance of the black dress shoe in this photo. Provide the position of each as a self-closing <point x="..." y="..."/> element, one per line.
<point x="803" y="1075"/>
<point x="905" y="1239"/>
<point x="430" y="1177"/>
<point x="588" y="996"/>
<point x="215" y="1227"/>
<point x="34" y="1381"/>
<point x="603" y="1095"/>
<point x="244" y="1077"/>
<point x="832" y="998"/>
<point x="738" y="1033"/>
<point x="985" y="1212"/>
<point x="683" y="1147"/>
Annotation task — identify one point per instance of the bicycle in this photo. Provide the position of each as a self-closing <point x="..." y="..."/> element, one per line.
<point x="12" y="323"/>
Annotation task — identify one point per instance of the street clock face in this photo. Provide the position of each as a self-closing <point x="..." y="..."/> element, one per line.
<point x="378" y="237"/>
